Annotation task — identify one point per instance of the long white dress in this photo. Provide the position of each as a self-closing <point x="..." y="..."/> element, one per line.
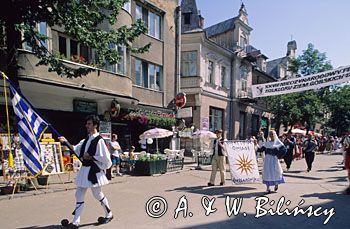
<point x="272" y="173"/>
<point x="102" y="160"/>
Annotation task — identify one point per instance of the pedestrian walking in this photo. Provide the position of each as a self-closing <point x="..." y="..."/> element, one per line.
<point x="218" y="159"/>
<point x="309" y="148"/>
<point x="272" y="173"/>
<point x="289" y="142"/>
<point x="93" y="153"/>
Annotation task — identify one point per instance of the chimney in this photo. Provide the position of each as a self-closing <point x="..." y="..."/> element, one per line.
<point x="291" y="49"/>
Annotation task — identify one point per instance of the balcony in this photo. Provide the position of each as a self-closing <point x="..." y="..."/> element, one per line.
<point x="190" y="82"/>
<point x="246" y="96"/>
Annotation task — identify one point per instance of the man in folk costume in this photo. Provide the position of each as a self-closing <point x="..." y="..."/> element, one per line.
<point x="95" y="158"/>
<point x="218" y="159"/>
<point x="272" y="173"/>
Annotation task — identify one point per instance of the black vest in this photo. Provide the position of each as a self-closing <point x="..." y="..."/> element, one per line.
<point x="94" y="169"/>
<point x="219" y="148"/>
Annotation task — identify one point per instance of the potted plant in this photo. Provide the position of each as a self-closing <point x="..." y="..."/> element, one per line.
<point x="151" y="164"/>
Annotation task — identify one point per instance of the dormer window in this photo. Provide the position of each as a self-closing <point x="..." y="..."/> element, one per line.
<point x="187" y="18"/>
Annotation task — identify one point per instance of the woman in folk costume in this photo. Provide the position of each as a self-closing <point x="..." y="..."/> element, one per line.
<point x="95" y="158"/>
<point x="272" y="173"/>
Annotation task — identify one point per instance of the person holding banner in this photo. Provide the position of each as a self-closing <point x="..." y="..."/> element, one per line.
<point x="272" y="173"/>
<point x="95" y="158"/>
<point x="218" y="159"/>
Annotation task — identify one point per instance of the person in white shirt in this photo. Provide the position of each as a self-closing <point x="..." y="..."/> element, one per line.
<point x="115" y="148"/>
<point x="218" y="159"/>
<point x="95" y="158"/>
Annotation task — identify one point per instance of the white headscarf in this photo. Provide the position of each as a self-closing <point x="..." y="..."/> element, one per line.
<point x="276" y="143"/>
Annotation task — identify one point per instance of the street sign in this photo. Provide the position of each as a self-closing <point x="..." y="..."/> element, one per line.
<point x="184" y="112"/>
<point x="180" y="100"/>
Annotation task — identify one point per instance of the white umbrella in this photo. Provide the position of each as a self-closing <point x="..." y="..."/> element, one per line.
<point x="156" y="133"/>
<point x="298" y="131"/>
<point x="203" y="134"/>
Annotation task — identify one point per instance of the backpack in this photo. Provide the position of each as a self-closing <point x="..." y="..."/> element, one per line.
<point x="281" y="152"/>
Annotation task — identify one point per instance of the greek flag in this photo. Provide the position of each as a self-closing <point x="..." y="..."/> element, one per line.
<point x="30" y="127"/>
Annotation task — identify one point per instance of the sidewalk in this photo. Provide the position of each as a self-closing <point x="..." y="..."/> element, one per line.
<point x="55" y="184"/>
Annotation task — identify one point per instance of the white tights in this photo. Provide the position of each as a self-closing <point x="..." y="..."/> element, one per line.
<point x="80" y="196"/>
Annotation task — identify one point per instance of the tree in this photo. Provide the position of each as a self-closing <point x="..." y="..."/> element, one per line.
<point x="303" y="107"/>
<point x="310" y="62"/>
<point x="81" y="20"/>
<point x="338" y="103"/>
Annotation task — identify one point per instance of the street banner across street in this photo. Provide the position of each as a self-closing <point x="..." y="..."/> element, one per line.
<point x="319" y="80"/>
<point x="242" y="161"/>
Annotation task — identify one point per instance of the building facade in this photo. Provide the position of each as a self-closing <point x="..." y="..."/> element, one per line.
<point x="141" y="84"/>
<point x="218" y="67"/>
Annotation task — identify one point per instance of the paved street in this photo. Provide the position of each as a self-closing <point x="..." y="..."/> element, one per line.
<point x="128" y="196"/>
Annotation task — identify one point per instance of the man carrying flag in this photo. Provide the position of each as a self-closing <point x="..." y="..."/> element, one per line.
<point x="95" y="157"/>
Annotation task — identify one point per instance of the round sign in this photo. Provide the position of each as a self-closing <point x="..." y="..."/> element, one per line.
<point x="180" y="100"/>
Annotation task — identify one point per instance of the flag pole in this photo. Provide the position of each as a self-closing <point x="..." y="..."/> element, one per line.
<point x="8" y="127"/>
<point x="70" y="147"/>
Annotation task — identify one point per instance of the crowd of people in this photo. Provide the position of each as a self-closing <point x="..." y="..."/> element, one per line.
<point x="297" y="147"/>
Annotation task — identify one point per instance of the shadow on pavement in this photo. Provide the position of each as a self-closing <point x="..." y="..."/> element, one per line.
<point x="268" y="221"/>
<point x="211" y="191"/>
<point x="58" y="226"/>
<point x="302" y="177"/>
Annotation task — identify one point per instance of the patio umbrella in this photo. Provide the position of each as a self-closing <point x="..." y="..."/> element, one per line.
<point x="203" y="134"/>
<point x="298" y="131"/>
<point x="156" y="133"/>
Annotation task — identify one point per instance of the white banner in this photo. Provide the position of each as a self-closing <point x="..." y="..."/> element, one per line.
<point x="242" y="161"/>
<point x="323" y="79"/>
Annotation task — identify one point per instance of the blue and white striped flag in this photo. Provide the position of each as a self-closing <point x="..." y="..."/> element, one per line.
<point x="30" y="127"/>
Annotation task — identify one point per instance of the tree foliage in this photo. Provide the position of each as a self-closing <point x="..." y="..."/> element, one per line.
<point x="84" y="21"/>
<point x="338" y="103"/>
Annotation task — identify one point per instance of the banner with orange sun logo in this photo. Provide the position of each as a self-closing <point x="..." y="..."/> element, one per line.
<point x="242" y="161"/>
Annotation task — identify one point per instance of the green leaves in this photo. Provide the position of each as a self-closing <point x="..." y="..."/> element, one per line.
<point x="84" y="21"/>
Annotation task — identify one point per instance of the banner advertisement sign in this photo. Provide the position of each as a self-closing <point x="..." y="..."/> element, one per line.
<point x="242" y="161"/>
<point x="310" y="82"/>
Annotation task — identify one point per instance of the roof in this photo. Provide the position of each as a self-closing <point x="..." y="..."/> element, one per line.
<point x="221" y="27"/>
<point x="272" y="67"/>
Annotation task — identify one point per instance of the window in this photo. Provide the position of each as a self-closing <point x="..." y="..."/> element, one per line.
<point x="244" y="78"/>
<point x="187" y="18"/>
<point x="255" y="124"/>
<point x="223" y="76"/>
<point x="216" y="118"/>
<point x="211" y="78"/>
<point x="243" y="42"/>
<point x="189" y="63"/>
<point x="242" y="124"/>
<point x="120" y="66"/>
<point x="127" y="6"/>
<point x="138" y="12"/>
<point x="148" y="75"/>
<point x="151" y="20"/>
<point x="41" y="27"/>
<point x="138" y="73"/>
<point x="62" y="46"/>
<point x="43" y="31"/>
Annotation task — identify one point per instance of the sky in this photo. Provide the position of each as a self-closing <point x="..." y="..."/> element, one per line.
<point x="324" y="23"/>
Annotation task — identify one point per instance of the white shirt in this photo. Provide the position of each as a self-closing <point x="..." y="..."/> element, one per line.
<point x="115" y="144"/>
<point x="103" y="160"/>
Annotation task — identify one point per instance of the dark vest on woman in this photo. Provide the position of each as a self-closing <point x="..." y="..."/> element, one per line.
<point x="94" y="169"/>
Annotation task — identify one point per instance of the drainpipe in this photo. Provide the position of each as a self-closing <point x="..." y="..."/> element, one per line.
<point x="232" y="91"/>
<point x="177" y="48"/>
